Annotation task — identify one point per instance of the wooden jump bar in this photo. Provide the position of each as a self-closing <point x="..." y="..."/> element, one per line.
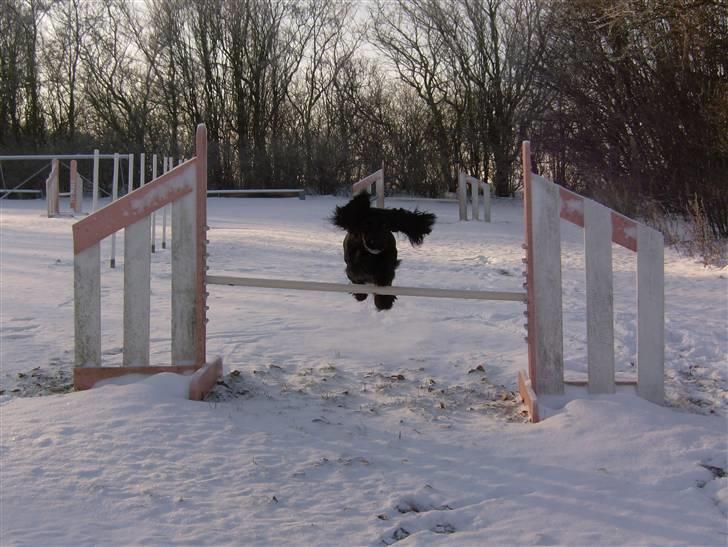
<point x="512" y="296"/>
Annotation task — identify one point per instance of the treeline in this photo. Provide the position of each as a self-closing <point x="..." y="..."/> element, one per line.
<point x="624" y="100"/>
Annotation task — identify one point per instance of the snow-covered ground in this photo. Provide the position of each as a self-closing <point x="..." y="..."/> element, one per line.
<point x="339" y="425"/>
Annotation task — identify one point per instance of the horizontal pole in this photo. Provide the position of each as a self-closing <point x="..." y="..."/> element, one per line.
<point x="258" y="191"/>
<point x="368" y="289"/>
<point x="58" y="157"/>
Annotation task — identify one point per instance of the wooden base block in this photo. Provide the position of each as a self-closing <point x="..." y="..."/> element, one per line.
<point x="528" y="396"/>
<point x="204" y="379"/>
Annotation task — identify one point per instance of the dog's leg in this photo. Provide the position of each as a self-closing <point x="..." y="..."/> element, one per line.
<point x="360" y="297"/>
<point x="384" y="301"/>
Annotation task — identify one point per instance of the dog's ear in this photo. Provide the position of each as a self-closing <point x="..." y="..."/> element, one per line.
<point x="414" y="224"/>
<point x="352" y="215"/>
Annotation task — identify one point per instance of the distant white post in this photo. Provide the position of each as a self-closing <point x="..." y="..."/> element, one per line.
<point x="114" y="196"/>
<point x="76" y="189"/>
<point x="486" y="200"/>
<point x="95" y="192"/>
<point x="52" y="190"/>
<point x="154" y="215"/>
<point x="462" y="195"/>
<point x="142" y="177"/>
<point x="165" y="168"/>
<point x="131" y="172"/>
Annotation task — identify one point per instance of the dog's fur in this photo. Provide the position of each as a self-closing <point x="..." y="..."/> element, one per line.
<point x="370" y="249"/>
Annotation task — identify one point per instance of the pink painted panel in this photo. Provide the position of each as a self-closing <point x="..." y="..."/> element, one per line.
<point x="624" y="230"/>
<point x="134" y="206"/>
<point x="572" y="207"/>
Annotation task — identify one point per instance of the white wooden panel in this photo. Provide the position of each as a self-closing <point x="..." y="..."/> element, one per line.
<point x="114" y="196"/>
<point x="130" y="175"/>
<point x="137" y="274"/>
<point x="547" y="324"/>
<point x="52" y="190"/>
<point x="486" y="201"/>
<point x="87" y="306"/>
<point x="184" y="262"/>
<point x="380" y="189"/>
<point x="462" y="196"/>
<point x="142" y="166"/>
<point x="154" y="217"/>
<point x="475" y="191"/>
<point x="79" y="194"/>
<point x="95" y="193"/>
<point x="599" y="297"/>
<point x="165" y="163"/>
<point x="650" y="315"/>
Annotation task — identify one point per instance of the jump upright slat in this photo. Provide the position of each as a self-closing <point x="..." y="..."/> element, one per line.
<point x="154" y="217"/>
<point x="114" y="196"/>
<point x="475" y="191"/>
<point x="599" y="297"/>
<point x="376" y="179"/>
<point x="76" y="189"/>
<point x="184" y="263"/>
<point x="137" y="276"/>
<point x="650" y="315"/>
<point x="87" y="306"/>
<point x="95" y="191"/>
<point x="52" y="201"/>
<point x="486" y="200"/>
<point x="545" y="329"/>
<point x="462" y="196"/>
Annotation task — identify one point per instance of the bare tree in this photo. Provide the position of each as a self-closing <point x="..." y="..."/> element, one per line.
<point x="61" y="63"/>
<point x="405" y="32"/>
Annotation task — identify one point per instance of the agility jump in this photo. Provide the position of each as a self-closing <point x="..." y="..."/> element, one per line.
<point x="185" y="188"/>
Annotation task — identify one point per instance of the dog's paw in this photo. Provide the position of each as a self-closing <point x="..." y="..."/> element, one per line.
<point x="360" y="297"/>
<point x="384" y="301"/>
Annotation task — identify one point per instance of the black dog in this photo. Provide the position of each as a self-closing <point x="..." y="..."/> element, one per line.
<point x="370" y="250"/>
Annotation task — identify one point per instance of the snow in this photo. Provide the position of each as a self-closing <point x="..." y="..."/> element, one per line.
<point x="337" y="424"/>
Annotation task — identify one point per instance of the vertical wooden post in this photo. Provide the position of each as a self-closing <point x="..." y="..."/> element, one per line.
<point x="380" y="188"/>
<point x="543" y="241"/>
<point x="95" y="191"/>
<point x="486" y="201"/>
<point x="131" y="173"/>
<point x="87" y="306"/>
<point x="137" y="279"/>
<point x="142" y="176"/>
<point x="462" y="195"/>
<point x="650" y="315"/>
<point x="599" y="297"/>
<point x="76" y="189"/>
<point x="114" y="196"/>
<point x="154" y="215"/>
<point x="52" y="201"/>
<point x="165" y="168"/>
<point x="475" y="192"/>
